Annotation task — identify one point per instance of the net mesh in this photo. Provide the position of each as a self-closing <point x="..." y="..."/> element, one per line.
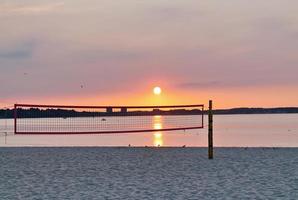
<point x="46" y="119"/>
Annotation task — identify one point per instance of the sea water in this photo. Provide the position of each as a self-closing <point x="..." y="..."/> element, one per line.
<point x="265" y="130"/>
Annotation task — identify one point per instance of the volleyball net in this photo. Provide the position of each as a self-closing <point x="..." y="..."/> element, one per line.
<point x="61" y="119"/>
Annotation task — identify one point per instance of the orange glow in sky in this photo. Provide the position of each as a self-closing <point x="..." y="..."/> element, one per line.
<point x="223" y="98"/>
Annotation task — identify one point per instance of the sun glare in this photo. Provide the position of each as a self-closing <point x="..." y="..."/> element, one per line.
<point x="157" y="90"/>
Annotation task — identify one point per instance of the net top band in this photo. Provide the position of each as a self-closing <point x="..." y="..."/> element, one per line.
<point x="117" y="107"/>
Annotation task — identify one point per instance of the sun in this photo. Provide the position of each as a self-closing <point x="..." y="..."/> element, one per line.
<point x="157" y="90"/>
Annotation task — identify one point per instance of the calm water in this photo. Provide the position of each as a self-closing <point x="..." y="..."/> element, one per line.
<point x="280" y="130"/>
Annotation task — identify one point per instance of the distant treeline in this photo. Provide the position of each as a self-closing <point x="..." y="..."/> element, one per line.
<point x="233" y="111"/>
<point x="63" y="113"/>
<point x="40" y="113"/>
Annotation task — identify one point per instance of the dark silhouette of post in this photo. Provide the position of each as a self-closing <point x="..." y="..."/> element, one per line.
<point x="15" y="118"/>
<point x="210" y="131"/>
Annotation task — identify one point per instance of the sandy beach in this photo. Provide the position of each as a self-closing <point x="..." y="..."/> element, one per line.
<point x="148" y="173"/>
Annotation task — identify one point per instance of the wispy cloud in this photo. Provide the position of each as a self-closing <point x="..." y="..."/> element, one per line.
<point x="198" y="85"/>
<point x="20" y="51"/>
<point x="10" y="8"/>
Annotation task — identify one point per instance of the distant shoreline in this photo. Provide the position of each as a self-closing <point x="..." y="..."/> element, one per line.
<point x="8" y="113"/>
<point x="246" y="111"/>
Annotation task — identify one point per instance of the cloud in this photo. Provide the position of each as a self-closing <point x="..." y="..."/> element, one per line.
<point x="29" y="9"/>
<point x="19" y="51"/>
<point x="197" y="85"/>
<point x="174" y="12"/>
<point x="240" y="82"/>
<point x="108" y="54"/>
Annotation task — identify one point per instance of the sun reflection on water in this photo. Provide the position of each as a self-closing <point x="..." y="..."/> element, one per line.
<point x="158" y="136"/>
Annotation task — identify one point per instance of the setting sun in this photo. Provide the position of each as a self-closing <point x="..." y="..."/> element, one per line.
<point x="157" y="90"/>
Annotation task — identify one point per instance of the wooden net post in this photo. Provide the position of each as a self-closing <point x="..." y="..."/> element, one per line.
<point x="210" y="131"/>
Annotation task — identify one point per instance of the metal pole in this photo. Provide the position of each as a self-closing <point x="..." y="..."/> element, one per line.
<point x="210" y="131"/>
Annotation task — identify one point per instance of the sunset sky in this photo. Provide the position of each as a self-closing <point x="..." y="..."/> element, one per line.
<point x="103" y="52"/>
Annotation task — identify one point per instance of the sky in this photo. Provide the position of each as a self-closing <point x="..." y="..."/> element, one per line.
<point x="99" y="52"/>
